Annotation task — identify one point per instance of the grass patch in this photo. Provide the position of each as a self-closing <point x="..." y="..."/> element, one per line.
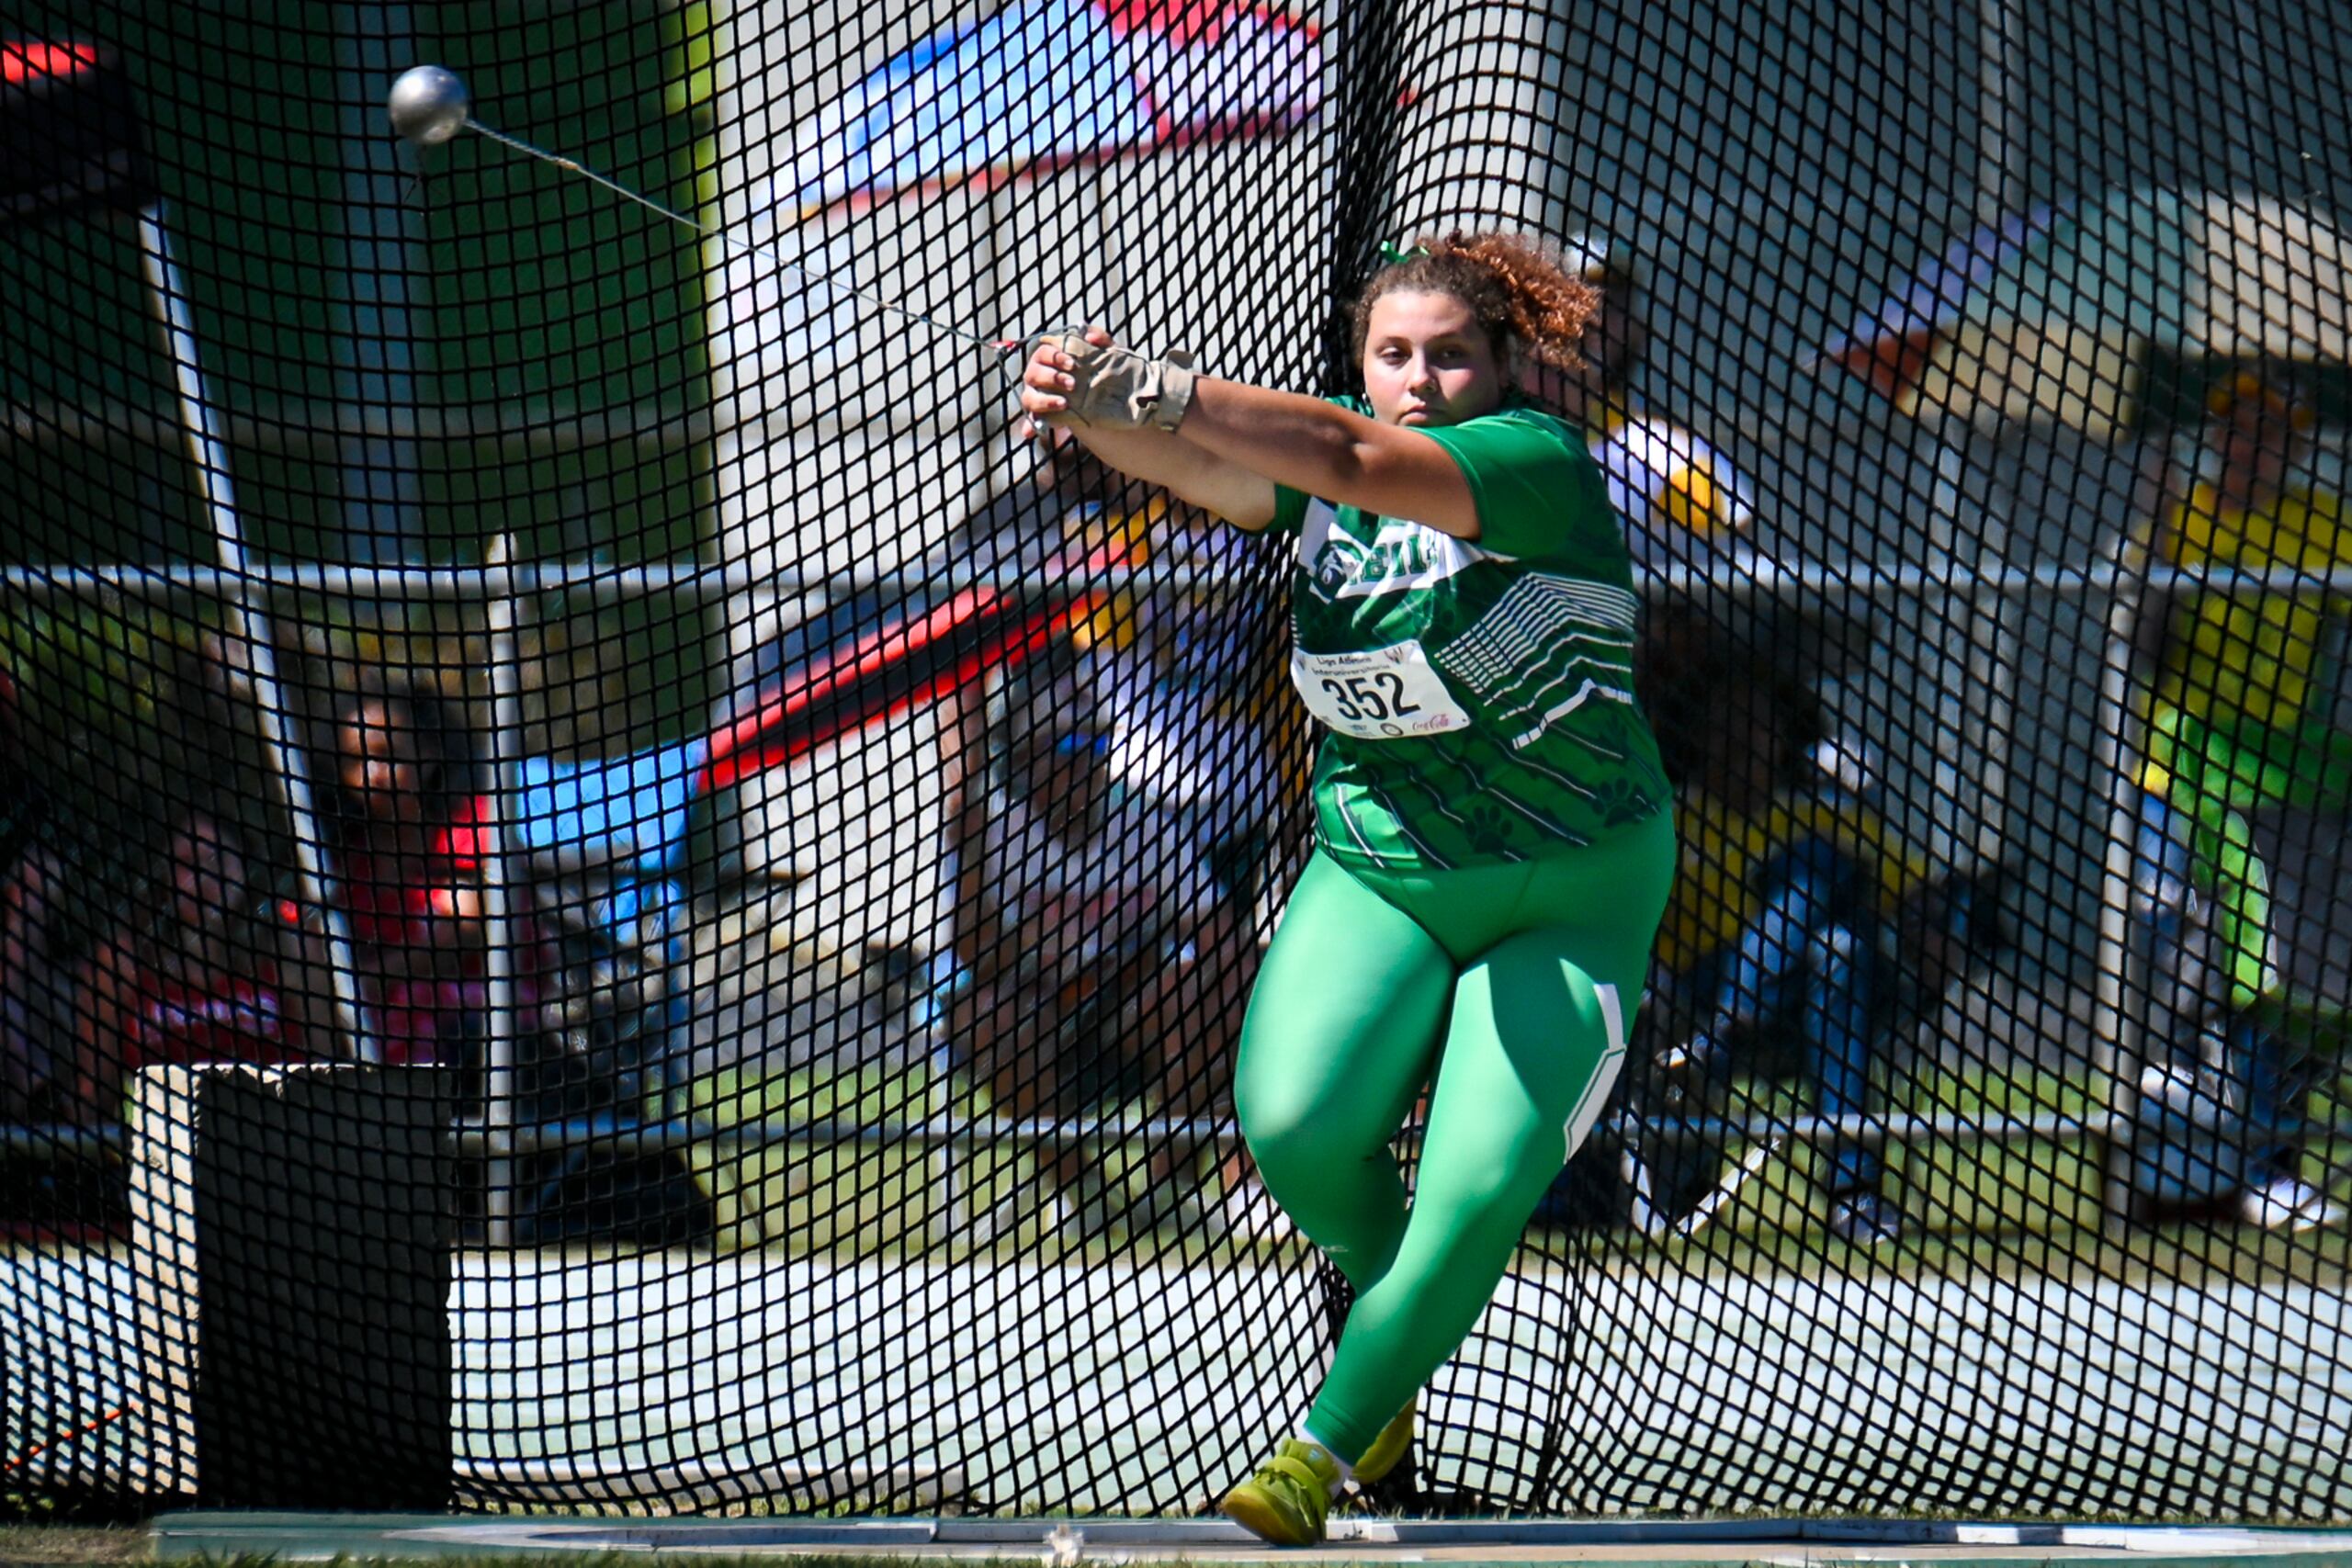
<point x="75" y="1543"/>
<point x="841" y="1175"/>
<point x="842" y="1184"/>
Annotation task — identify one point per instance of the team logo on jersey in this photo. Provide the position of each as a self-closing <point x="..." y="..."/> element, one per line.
<point x="1402" y="555"/>
<point x="1339" y="562"/>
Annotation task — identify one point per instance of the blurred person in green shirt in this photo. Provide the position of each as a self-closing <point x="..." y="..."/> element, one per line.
<point x="2241" y="724"/>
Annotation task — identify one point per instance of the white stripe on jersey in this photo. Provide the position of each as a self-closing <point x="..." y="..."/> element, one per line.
<point x="1558" y="711"/>
<point x="1534" y="616"/>
<point x="1604" y="1075"/>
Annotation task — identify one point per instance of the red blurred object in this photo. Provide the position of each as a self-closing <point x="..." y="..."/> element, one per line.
<point x="1891" y="361"/>
<point x="69" y="131"/>
<point x="222" y="1018"/>
<point x="886" y="671"/>
<point x="21" y="60"/>
<point x="430" y="977"/>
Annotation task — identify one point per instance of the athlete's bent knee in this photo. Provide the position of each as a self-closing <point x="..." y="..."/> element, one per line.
<point x="1284" y="1133"/>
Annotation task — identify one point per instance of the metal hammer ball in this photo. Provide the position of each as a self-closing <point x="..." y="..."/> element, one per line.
<point x="428" y="105"/>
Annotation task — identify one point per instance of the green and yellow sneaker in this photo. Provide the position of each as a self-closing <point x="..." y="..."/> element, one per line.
<point x="1388" y="1449"/>
<point x="1286" y="1501"/>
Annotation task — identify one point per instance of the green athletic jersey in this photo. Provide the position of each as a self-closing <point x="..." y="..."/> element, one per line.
<point x="1479" y="696"/>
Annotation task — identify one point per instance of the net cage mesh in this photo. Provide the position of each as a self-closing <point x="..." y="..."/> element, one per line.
<point x="615" y="893"/>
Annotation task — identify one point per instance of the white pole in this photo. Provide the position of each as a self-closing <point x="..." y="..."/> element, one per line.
<point x="1989" y="637"/>
<point x="200" y="421"/>
<point x="1996" y="23"/>
<point x="499" y="1109"/>
<point x="2118" y="1039"/>
<point x="1985" y="662"/>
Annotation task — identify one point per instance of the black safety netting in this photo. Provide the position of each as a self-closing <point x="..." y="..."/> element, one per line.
<point x="615" y="891"/>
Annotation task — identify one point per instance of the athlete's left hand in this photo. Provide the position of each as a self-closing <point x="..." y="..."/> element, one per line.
<point x="1051" y="376"/>
<point x="1088" y="380"/>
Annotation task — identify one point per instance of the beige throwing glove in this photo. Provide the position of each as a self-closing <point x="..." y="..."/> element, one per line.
<point x="1120" y="389"/>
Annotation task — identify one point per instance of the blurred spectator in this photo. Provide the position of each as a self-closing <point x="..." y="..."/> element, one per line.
<point x="1042" y="943"/>
<point x="1725" y="669"/>
<point x="1684" y="505"/>
<point x="36" y="987"/>
<point x="1804" y="939"/>
<point x="412" y="863"/>
<point x="1027" y="529"/>
<point x="2240" y="727"/>
<point x="1709" y="614"/>
<point x="1192" y="794"/>
<point x="196" y="973"/>
<point x="1111" y="944"/>
<point x="1195" y="793"/>
<point x="1774" y="948"/>
<point x="1106" y="863"/>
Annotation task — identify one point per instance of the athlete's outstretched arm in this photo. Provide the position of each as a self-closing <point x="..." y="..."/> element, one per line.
<point x="1319" y="447"/>
<point x="1244" y="440"/>
<point x="1242" y="498"/>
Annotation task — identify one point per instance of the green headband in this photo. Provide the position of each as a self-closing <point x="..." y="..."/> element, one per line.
<point x="1397" y="256"/>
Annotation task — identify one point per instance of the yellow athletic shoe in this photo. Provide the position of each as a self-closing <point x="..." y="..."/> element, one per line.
<point x="1388" y="1449"/>
<point x="1286" y="1501"/>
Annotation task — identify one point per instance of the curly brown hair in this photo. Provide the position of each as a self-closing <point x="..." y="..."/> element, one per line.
<point x="1520" y="290"/>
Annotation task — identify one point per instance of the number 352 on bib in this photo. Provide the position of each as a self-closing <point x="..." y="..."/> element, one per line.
<point x="1383" y="693"/>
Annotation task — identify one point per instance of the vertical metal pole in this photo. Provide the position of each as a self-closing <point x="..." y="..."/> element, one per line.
<point x="1996" y="109"/>
<point x="2117" y="1048"/>
<point x="2118" y="1045"/>
<point x="1997" y="189"/>
<point x="1985" y="629"/>
<point x="500" y="1113"/>
<point x="375" y="343"/>
<point x="210" y="454"/>
<point x="1978" y="771"/>
<point x="991" y="696"/>
<point x="938" y="1004"/>
<point x="949" y="1220"/>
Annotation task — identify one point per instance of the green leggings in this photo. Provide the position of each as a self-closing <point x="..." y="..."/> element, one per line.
<point x="1514" y="988"/>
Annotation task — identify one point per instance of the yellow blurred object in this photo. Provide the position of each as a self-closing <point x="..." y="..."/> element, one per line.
<point x="1666" y="482"/>
<point x="1107" y="621"/>
<point x="1689" y="498"/>
<point x="2253" y="655"/>
<point x="1720" y="893"/>
<point x="2280" y="401"/>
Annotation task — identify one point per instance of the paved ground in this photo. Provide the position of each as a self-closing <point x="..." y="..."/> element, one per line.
<point x="1074" y="1544"/>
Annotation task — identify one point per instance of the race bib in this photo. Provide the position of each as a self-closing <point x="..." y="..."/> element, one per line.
<point x="1387" y="693"/>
